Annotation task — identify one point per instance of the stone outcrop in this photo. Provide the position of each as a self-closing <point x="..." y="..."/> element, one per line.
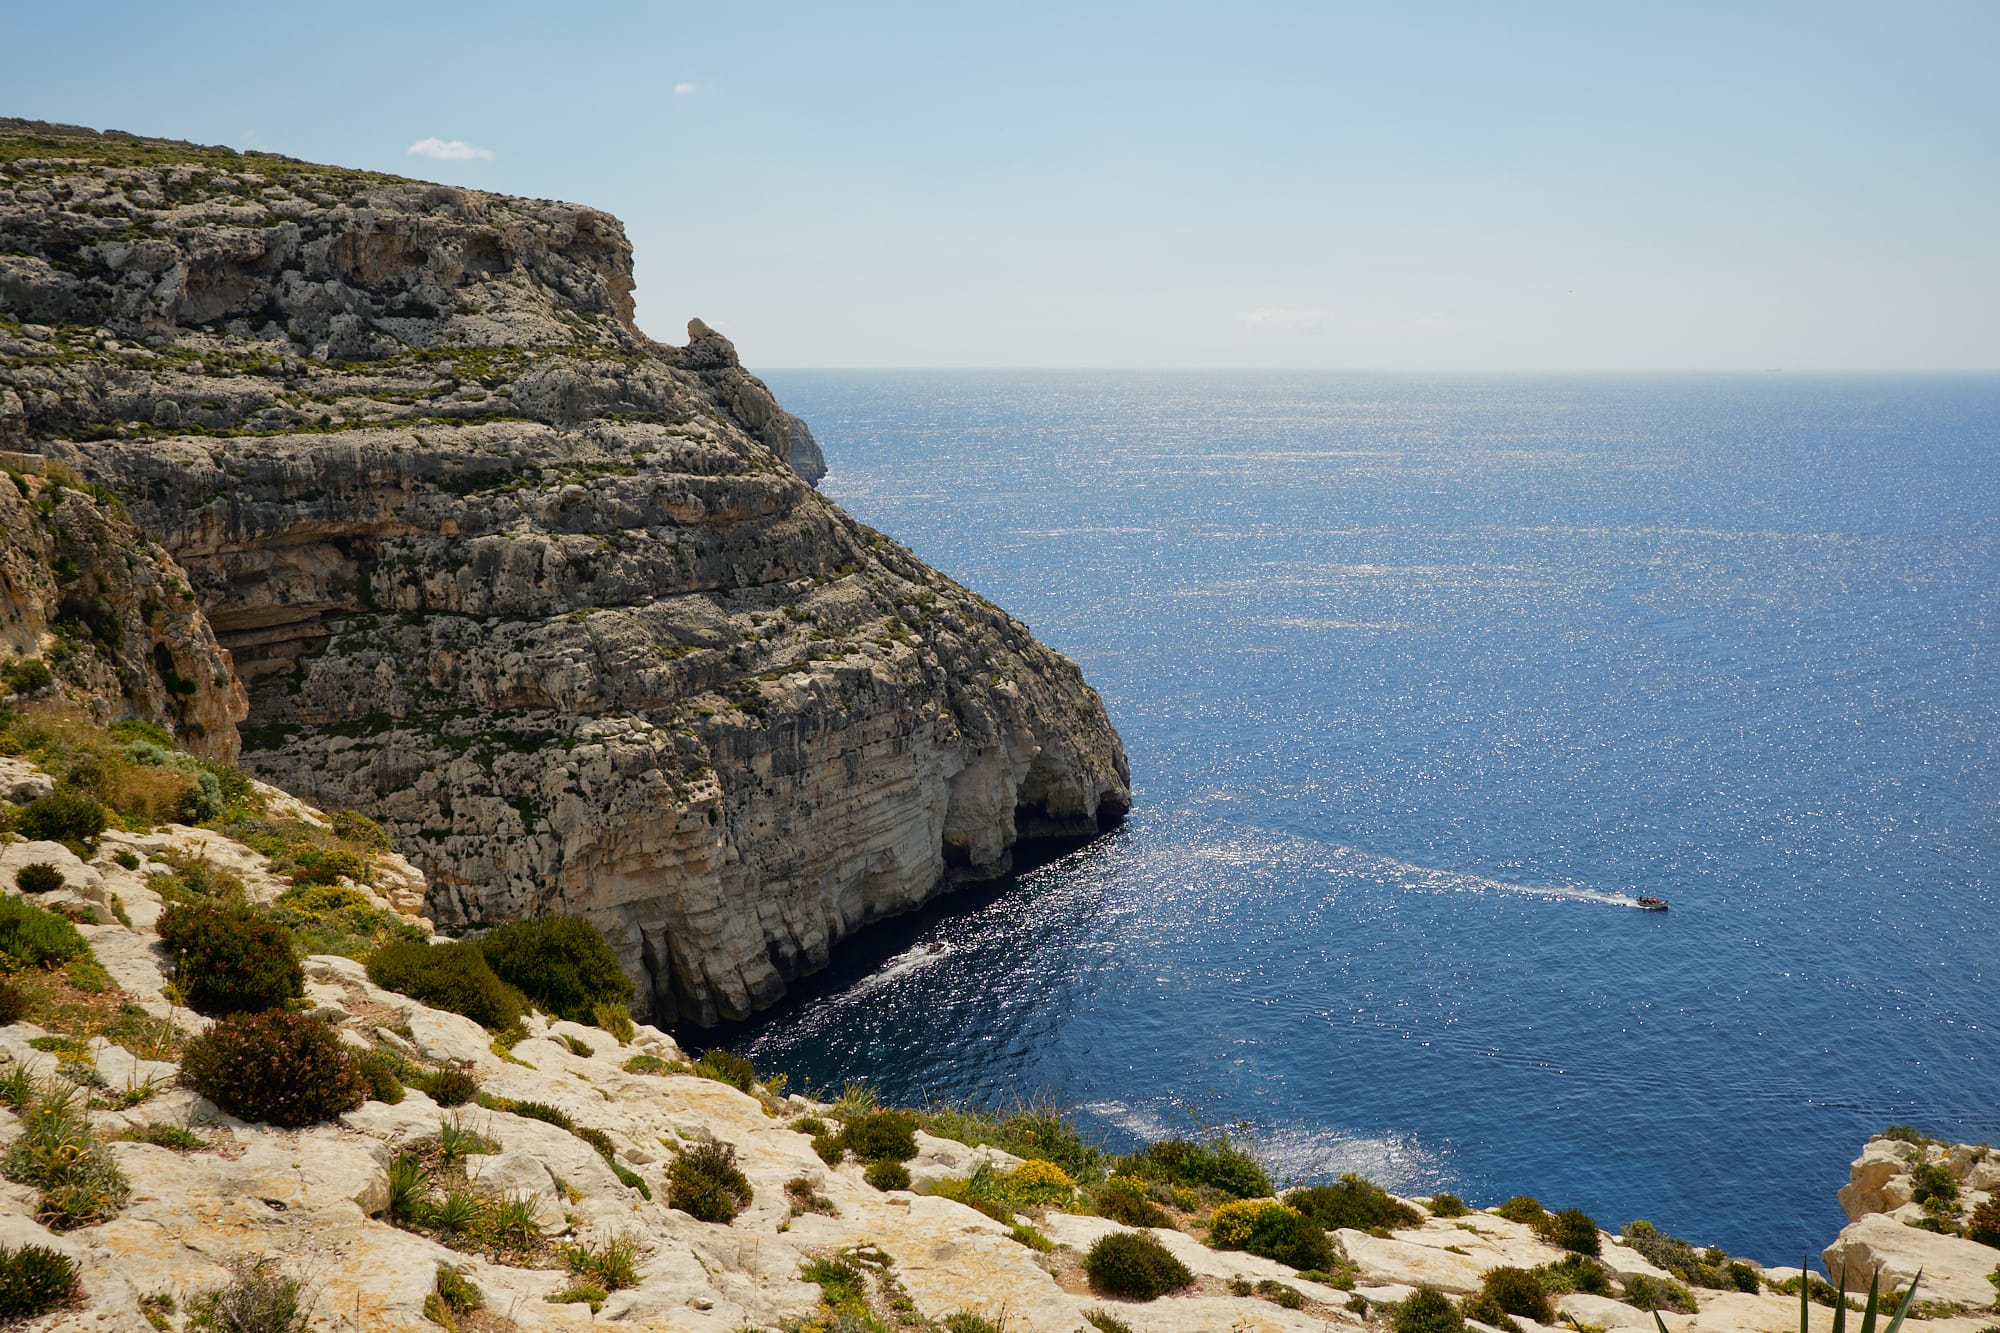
<point x="106" y="614"/>
<point x="556" y="603"/>
<point x="1888" y="1231"/>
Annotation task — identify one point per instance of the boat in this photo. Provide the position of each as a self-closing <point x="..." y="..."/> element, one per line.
<point x="1651" y="904"/>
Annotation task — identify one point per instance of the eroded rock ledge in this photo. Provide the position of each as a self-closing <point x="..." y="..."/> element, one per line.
<point x="556" y="603"/>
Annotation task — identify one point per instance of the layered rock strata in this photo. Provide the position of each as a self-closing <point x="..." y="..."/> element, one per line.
<point x="556" y="603"/>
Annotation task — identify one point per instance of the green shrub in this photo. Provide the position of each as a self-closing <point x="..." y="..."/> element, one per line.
<point x="338" y="919"/>
<point x="726" y="1067"/>
<point x="357" y="828"/>
<point x="829" y="1147"/>
<point x="561" y="963"/>
<point x="1274" y="1230"/>
<point x="448" y="976"/>
<point x="1135" y="1265"/>
<point x="56" y="1152"/>
<point x="1984" y="1224"/>
<point x="280" y="1068"/>
<point x="326" y="865"/>
<point x="458" y="1292"/>
<point x="125" y="857"/>
<point x="1524" y="1208"/>
<point x="704" y="1182"/>
<point x="1930" y="1181"/>
<point x="881" y="1136"/>
<point x="1575" y="1272"/>
<point x="26" y="675"/>
<point x="1447" y="1205"/>
<point x="1106" y="1322"/>
<point x="542" y="1111"/>
<point x="1518" y="1291"/>
<point x="612" y="1265"/>
<point x="38" y="877"/>
<point x="1219" y="1165"/>
<point x="1905" y="1134"/>
<point x="35" y="1280"/>
<point x="1353" y="1202"/>
<point x="1652" y="1293"/>
<point x="381" y="1068"/>
<point x="650" y="1064"/>
<point x="1703" y="1268"/>
<point x="1123" y="1199"/>
<point x="65" y="816"/>
<point x="32" y="936"/>
<point x="841" y="1285"/>
<point x="1572" y="1229"/>
<point x="1426" y="1310"/>
<point x="1038" y="1131"/>
<point x="258" y="1299"/>
<point x="14" y="1003"/>
<point x="230" y="958"/>
<point x="887" y="1175"/>
<point x="449" y="1085"/>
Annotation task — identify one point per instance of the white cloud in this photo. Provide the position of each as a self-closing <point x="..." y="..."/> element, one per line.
<point x="1287" y="321"/>
<point x="448" y="150"/>
<point x="683" y="89"/>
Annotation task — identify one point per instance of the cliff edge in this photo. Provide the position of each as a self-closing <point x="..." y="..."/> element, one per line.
<point x="556" y="603"/>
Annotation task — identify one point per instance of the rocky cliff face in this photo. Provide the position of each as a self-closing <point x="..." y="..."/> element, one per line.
<point x="556" y="603"/>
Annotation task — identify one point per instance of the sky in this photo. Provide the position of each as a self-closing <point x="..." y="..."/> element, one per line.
<point x="1425" y="186"/>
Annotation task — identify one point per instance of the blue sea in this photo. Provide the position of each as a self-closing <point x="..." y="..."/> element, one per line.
<point x="1424" y="678"/>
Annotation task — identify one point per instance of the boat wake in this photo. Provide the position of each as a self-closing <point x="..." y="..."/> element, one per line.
<point x="913" y="959"/>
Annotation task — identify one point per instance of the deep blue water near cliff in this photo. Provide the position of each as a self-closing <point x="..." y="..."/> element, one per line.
<point x="1422" y="678"/>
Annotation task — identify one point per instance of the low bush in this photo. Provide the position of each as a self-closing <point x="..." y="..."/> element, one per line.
<point x="1574" y="1230"/>
<point x="1426" y="1310"/>
<point x="230" y="958"/>
<point x="726" y="1067"/>
<point x="612" y="1264"/>
<point x="66" y="816"/>
<point x="1273" y="1230"/>
<point x="338" y="919"/>
<point x="886" y="1175"/>
<point x="1447" y="1205"/>
<point x="829" y="1147"/>
<point x="448" y="976"/>
<point x="1984" y="1224"/>
<point x="561" y="963"/>
<point x="1575" y="1272"/>
<point x="33" y="936"/>
<point x="38" y="877"/>
<point x="881" y="1136"/>
<point x="1652" y="1293"/>
<point x="1524" y="1208"/>
<point x="27" y="675"/>
<point x="458" y="1292"/>
<point x="56" y="1152"/>
<point x="1134" y="1265"/>
<point x="258" y="1299"/>
<point x="1518" y="1291"/>
<point x="1106" y="1322"/>
<point x="704" y="1182"/>
<point x="447" y="1085"/>
<point x="163" y="1135"/>
<point x="1034" y="1130"/>
<point x="279" y="1068"/>
<point x="1703" y="1268"/>
<point x="542" y="1111"/>
<point x="802" y="1193"/>
<point x="1353" y="1202"/>
<point x="35" y="1280"/>
<point x="382" y="1068"/>
<point x="1933" y="1182"/>
<point x="841" y="1285"/>
<point x="1218" y="1165"/>
<point x="14" y="1003"/>
<point x="965" y="1321"/>
<point x="1123" y="1199"/>
<point x="652" y="1064"/>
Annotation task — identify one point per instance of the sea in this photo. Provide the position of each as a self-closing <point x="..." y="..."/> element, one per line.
<point x="1425" y="679"/>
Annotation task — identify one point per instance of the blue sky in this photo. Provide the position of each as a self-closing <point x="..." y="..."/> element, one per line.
<point x="1427" y="186"/>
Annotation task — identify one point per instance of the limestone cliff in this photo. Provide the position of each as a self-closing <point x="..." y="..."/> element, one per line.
<point x="556" y="603"/>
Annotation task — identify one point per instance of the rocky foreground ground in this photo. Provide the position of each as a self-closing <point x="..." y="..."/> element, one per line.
<point x="211" y="1195"/>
